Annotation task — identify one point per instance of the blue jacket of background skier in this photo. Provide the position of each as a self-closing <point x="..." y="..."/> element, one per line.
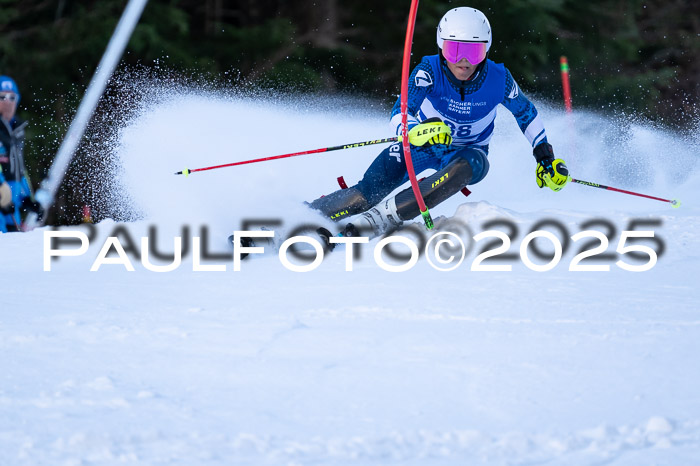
<point x="12" y="169"/>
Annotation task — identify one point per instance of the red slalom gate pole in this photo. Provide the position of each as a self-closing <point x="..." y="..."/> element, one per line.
<point x="565" y="83"/>
<point x="674" y="202"/>
<point x="187" y="171"/>
<point x="405" y="71"/>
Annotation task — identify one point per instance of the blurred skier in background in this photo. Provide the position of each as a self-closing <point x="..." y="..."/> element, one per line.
<point x="452" y="100"/>
<point x="15" y="194"/>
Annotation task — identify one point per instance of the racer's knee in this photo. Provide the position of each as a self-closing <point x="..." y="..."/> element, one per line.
<point x="477" y="159"/>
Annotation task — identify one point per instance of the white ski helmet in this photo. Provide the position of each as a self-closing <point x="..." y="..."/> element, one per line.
<point x="464" y="24"/>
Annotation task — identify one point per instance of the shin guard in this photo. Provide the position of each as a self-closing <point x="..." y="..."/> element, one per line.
<point x="436" y="188"/>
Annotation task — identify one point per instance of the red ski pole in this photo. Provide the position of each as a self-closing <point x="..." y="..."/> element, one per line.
<point x="674" y="202"/>
<point x="405" y="71"/>
<point x="187" y="171"/>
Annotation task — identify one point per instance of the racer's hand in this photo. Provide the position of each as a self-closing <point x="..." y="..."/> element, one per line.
<point x="550" y="172"/>
<point x="431" y="131"/>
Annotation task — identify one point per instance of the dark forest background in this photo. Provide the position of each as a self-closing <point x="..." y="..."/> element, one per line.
<point x="631" y="56"/>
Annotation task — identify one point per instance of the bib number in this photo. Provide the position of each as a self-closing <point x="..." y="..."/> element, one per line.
<point x="461" y="131"/>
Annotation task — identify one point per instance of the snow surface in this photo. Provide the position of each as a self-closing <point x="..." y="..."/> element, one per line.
<point x="270" y="366"/>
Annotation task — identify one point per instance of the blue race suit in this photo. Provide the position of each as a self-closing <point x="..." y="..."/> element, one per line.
<point x="467" y="107"/>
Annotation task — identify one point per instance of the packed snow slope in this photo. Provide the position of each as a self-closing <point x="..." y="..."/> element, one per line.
<point x="422" y="367"/>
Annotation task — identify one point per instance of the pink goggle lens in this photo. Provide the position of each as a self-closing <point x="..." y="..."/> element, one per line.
<point x="474" y="52"/>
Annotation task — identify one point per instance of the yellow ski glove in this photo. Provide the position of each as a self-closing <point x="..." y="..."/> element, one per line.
<point x="431" y="131"/>
<point x="550" y="172"/>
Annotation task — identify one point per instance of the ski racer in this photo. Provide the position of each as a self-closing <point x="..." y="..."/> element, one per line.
<point x="14" y="188"/>
<point x="452" y="100"/>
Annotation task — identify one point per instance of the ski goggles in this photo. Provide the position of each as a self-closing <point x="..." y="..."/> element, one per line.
<point x="474" y="52"/>
<point x="11" y="97"/>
